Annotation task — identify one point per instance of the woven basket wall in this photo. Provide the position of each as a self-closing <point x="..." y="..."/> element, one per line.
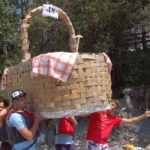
<point x="88" y="86"/>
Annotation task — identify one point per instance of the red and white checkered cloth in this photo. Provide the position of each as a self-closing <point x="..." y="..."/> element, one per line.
<point x="57" y="65"/>
<point x="4" y="79"/>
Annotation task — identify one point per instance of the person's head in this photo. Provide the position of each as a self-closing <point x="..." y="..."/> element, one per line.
<point x="114" y="105"/>
<point x="1" y="103"/>
<point x="18" y="98"/>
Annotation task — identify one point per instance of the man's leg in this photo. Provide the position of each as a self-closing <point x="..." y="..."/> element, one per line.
<point x="105" y="147"/>
<point x="90" y="145"/>
<point x="60" y="147"/>
<point x="72" y="147"/>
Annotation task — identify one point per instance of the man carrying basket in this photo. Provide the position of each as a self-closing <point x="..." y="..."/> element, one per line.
<point x="102" y="123"/>
<point x="22" y="126"/>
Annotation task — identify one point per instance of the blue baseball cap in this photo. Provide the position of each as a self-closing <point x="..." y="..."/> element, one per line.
<point x="17" y="94"/>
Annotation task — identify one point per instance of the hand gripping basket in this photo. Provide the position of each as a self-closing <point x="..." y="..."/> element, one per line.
<point x="87" y="90"/>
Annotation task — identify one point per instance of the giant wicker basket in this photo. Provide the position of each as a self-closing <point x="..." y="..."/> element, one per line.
<point x="88" y="88"/>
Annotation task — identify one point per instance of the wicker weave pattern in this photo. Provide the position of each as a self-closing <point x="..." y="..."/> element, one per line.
<point x="89" y="85"/>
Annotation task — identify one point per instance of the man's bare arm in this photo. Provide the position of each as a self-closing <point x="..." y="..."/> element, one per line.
<point x="29" y="134"/>
<point x="135" y="119"/>
<point x="74" y="121"/>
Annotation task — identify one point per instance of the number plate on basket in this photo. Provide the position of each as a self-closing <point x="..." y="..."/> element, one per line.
<point x="50" y="11"/>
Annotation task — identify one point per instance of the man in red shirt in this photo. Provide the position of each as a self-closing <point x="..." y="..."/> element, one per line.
<point x="101" y="125"/>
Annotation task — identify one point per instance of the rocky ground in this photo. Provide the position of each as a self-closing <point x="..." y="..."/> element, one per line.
<point x="134" y="101"/>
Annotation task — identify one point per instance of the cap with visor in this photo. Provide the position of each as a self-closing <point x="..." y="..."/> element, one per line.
<point x="17" y="94"/>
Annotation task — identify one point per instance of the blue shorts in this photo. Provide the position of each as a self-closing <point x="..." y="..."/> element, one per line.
<point x="91" y="145"/>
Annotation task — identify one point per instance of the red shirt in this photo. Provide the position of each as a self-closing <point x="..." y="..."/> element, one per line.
<point x="101" y="125"/>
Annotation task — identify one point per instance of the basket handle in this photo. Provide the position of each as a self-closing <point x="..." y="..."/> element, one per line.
<point x="26" y="23"/>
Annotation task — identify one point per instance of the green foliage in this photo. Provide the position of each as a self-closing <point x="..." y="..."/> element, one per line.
<point x="8" y="36"/>
<point x="52" y="34"/>
<point x="102" y="23"/>
<point x="136" y="68"/>
<point x="7" y="26"/>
